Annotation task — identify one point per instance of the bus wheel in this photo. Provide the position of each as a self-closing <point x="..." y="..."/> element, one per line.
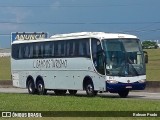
<point x="31" y="87"/>
<point x="40" y="88"/>
<point x="124" y="93"/>
<point x="90" y="90"/>
<point x="72" y="92"/>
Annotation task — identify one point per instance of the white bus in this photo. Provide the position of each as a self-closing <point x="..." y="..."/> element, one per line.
<point x="90" y="61"/>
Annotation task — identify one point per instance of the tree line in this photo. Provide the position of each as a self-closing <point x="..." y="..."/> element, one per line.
<point x="149" y="45"/>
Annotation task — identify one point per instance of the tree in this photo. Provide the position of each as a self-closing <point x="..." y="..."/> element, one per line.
<point x="149" y="45"/>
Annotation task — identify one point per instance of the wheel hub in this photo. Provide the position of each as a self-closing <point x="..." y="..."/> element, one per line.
<point x="30" y="87"/>
<point x="40" y="87"/>
<point x="90" y="88"/>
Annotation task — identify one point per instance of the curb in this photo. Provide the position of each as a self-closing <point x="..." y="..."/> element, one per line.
<point x="152" y="86"/>
<point x="6" y="84"/>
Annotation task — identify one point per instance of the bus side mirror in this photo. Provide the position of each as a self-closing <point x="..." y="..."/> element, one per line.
<point x="145" y="56"/>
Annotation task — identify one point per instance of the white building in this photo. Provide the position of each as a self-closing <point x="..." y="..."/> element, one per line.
<point x="5" y="52"/>
<point x="158" y="43"/>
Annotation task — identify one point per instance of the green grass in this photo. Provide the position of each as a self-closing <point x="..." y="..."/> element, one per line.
<point x="5" y="68"/>
<point x="26" y="102"/>
<point x="153" y="67"/>
<point x="23" y="102"/>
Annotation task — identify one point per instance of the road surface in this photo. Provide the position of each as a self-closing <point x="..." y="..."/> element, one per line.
<point x="132" y="95"/>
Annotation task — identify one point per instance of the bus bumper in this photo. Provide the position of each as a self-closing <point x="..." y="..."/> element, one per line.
<point x="115" y="88"/>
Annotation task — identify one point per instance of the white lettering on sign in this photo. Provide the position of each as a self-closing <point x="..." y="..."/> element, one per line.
<point x="29" y="36"/>
<point x="50" y="63"/>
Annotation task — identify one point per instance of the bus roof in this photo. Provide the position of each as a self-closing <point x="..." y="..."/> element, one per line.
<point x="98" y="35"/>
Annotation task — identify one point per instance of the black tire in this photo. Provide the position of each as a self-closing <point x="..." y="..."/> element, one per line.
<point x="41" y="88"/>
<point x="60" y="92"/>
<point x="72" y="92"/>
<point x="95" y="92"/>
<point x="124" y="93"/>
<point x="90" y="89"/>
<point x="31" y="87"/>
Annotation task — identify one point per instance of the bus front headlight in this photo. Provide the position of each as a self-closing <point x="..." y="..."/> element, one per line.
<point x="112" y="81"/>
<point x="142" y="81"/>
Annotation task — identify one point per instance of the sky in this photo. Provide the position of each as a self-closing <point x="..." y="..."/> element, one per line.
<point x="137" y="17"/>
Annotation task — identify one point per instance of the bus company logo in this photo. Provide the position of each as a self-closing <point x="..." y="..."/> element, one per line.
<point x="50" y="63"/>
<point x="6" y="114"/>
<point x="128" y="81"/>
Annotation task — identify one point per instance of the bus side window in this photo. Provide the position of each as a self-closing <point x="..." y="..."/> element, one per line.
<point x="20" y="56"/>
<point x="31" y="51"/>
<point x="81" y="51"/>
<point x="87" y="49"/>
<point x="26" y="53"/>
<point x="76" y="50"/>
<point x="56" y="49"/>
<point x="63" y="48"/>
<point x="40" y="48"/>
<point x="59" y="49"/>
<point x="70" y="48"/>
<point x="52" y="46"/>
<point x="46" y="50"/>
<point x="35" y="50"/>
<point x="15" y="51"/>
<point x="84" y="48"/>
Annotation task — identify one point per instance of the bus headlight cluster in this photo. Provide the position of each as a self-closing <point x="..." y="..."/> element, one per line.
<point x="142" y="81"/>
<point x="112" y="81"/>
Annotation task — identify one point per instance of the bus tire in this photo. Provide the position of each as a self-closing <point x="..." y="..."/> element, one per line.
<point x="41" y="88"/>
<point x="124" y="93"/>
<point x="31" y="87"/>
<point x="72" y="92"/>
<point x="90" y="89"/>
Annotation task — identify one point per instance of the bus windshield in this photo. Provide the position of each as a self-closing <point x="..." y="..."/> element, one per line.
<point x="124" y="57"/>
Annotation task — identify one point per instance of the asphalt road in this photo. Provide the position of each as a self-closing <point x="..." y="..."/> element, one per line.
<point x="132" y="95"/>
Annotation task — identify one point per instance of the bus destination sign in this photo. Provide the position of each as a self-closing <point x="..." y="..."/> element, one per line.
<point x="28" y="35"/>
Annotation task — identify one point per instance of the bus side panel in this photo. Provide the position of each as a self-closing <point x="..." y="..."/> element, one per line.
<point x="56" y="75"/>
<point x="58" y="79"/>
<point x="19" y="79"/>
<point x="99" y="82"/>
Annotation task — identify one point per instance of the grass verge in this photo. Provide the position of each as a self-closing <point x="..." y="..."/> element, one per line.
<point x="5" y="68"/>
<point x="153" y="67"/>
<point x="26" y="102"/>
<point x="23" y="102"/>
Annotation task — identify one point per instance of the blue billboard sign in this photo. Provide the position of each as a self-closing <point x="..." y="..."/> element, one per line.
<point x="28" y="35"/>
